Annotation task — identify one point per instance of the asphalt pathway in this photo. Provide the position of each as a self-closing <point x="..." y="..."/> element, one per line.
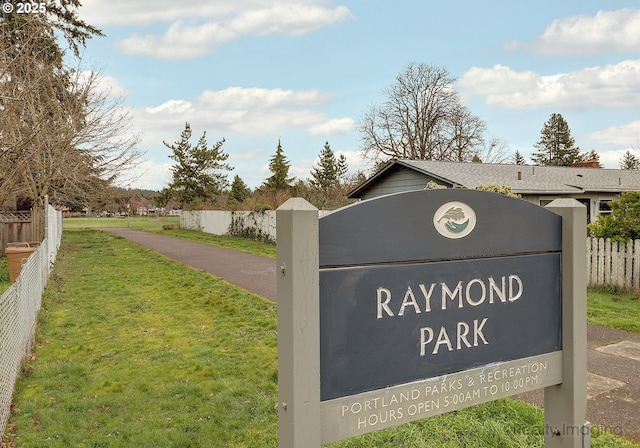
<point x="251" y="272"/>
<point x="613" y="357"/>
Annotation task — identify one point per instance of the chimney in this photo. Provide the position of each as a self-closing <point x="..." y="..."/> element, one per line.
<point x="587" y="164"/>
<point x="519" y="175"/>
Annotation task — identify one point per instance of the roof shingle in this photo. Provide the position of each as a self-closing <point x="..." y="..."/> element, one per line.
<point x="532" y="179"/>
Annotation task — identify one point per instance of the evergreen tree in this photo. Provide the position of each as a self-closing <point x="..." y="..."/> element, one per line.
<point x="196" y="175"/>
<point x="279" y="166"/>
<point x="518" y="159"/>
<point x="239" y="190"/>
<point x="342" y="168"/>
<point x="556" y="146"/>
<point x="330" y="170"/>
<point x="592" y="156"/>
<point x="629" y="161"/>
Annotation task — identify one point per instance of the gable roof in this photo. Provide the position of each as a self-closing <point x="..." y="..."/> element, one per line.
<point x="522" y="179"/>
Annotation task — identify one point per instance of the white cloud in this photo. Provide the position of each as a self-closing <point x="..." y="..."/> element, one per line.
<point x="106" y="86"/>
<point x="624" y="135"/>
<point x="145" y="12"/>
<point x="287" y="18"/>
<point x="606" y="31"/>
<point x="332" y="127"/>
<point x="148" y="174"/>
<point x="201" y="27"/>
<point x="242" y="111"/>
<point x="171" y="107"/>
<point x="615" y="85"/>
<point x="112" y="86"/>
<point x="612" y="159"/>
<point x="241" y="98"/>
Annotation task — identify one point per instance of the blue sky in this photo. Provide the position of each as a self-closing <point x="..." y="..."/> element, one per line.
<point x="305" y="71"/>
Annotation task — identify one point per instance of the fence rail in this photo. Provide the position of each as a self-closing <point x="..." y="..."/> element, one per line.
<point x="19" y="307"/>
<point x="613" y="263"/>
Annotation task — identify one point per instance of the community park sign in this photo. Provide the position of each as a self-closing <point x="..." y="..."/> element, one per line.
<point x="419" y="303"/>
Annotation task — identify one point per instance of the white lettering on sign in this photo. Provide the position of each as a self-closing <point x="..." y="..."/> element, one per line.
<point x="434" y="397"/>
<point x="476" y="292"/>
<point x="461" y="339"/>
<point x="383" y="408"/>
<point x="462" y="335"/>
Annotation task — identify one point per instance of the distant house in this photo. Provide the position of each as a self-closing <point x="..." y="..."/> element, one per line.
<point x="594" y="187"/>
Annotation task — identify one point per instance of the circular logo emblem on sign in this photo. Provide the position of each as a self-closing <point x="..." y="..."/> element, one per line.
<point x="454" y="220"/>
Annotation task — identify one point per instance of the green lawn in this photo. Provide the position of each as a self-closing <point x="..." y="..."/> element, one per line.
<point x="4" y="275"/>
<point x="134" y="349"/>
<point x="621" y="311"/>
<point x="157" y="224"/>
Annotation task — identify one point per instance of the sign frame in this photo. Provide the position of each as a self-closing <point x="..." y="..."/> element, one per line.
<point x="303" y="416"/>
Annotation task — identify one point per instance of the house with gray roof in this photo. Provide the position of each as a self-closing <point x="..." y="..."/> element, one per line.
<point x="592" y="186"/>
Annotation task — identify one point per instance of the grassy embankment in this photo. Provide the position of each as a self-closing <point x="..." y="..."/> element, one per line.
<point x="134" y="349"/>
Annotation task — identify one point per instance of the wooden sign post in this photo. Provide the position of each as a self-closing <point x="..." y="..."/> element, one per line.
<point x="420" y="303"/>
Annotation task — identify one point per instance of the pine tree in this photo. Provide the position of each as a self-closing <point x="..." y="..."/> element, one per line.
<point x="239" y="189"/>
<point x="195" y="175"/>
<point x="629" y="161"/>
<point x="279" y="166"/>
<point x="591" y="156"/>
<point x="518" y="159"/>
<point x="330" y="170"/>
<point x="342" y="168"/>
<point x="556" y="146"/>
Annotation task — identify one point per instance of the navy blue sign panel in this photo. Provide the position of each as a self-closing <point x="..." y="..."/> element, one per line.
<point x="422" y="284"/>
<point x="400" y="228"/>
<point x="386" y="326"/>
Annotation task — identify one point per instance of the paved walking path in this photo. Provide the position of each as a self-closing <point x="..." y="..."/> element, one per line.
<point x="251" y="272"/>
<point x="613" y="357"/>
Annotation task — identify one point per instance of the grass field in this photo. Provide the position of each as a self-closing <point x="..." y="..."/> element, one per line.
<point x="4" y="275"/>
<point x="134" y="349"/>
<point x="156" y="224"/>
<point x="621" y="311"/>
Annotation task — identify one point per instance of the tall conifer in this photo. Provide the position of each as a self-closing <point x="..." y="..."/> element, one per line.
<point x="556" y="145"/>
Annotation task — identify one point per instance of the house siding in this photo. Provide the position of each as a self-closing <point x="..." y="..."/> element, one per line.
<point x="536" y="184"/>
<point x="403" y="179"/>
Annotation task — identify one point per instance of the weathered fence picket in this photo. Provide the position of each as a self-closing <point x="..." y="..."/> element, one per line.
<point x="613" y="263"/>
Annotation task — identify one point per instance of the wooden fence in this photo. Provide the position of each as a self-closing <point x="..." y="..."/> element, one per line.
<point x="613" y="263"/>
<point x="21" y="226"/>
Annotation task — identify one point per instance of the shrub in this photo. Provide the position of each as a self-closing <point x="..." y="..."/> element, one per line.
<point x="623" y="224"/>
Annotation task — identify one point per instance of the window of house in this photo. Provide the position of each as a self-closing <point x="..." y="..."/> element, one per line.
<point x="603" y="207"/>
<point x="587" y="203"/>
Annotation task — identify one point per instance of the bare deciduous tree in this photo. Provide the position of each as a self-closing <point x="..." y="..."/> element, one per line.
<point x="421" y="119"/>
<point x="60" y="134"/>
<point x="495" y="150"/>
